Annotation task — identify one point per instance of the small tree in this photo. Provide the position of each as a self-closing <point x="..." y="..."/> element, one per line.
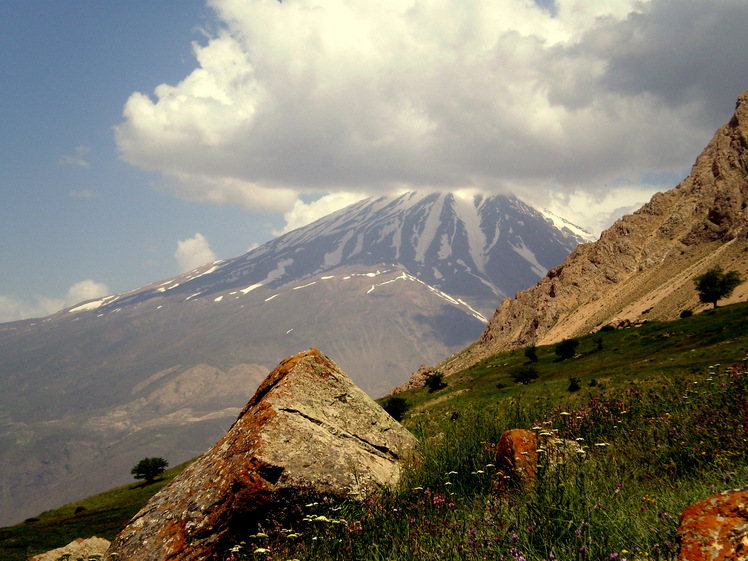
<point x="435" y="382"/>
<point x="149" y="469"/>
<point x="567" y="348"/>
<point x="715" y="285"/>
<point x="523" y="374"/>
<point x="396" y="407"/>
<point x="531" y="353"/>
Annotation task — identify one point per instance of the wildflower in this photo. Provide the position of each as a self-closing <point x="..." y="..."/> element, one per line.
<point x="262" y="550"/>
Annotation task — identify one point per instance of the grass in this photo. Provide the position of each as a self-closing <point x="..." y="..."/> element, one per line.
<point x="661" y="415"/>
<point x="101" y="515"/>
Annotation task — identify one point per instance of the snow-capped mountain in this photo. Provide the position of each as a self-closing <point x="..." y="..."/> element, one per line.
<point x="381" y="287"/>
<point x="479" y="250"/>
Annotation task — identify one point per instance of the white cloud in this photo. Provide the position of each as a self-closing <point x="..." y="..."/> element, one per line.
<point x="302" y="213"/>
<point x="597" y="211"/>
<point x="78" y="159"/>
<point x="85" y="290"/>
<point x="193" y="252"/>
<point x="14" y="308"/>
<point x="347" y="96"/>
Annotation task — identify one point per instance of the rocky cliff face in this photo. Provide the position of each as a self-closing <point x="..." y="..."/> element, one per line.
<point x="642" y="267"/>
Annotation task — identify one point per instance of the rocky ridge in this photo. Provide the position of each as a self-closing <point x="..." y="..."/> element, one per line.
<point x="641" y="267"/>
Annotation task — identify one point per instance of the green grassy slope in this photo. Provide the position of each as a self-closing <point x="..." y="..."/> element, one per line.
<point x="670" y="433"/>
<point x="101" y="515"/>
<point x="604" y="361"/>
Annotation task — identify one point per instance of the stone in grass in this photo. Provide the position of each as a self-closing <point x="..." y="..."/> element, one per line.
<point x="308" y="433"/>
<point x="80" y="548"/>
<point x="519" y="451"/>
<point x="715" y="529"/>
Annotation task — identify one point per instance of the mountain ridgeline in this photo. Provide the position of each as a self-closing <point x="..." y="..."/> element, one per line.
<point x="383" y="286"/>
<point x="478" y="249"/>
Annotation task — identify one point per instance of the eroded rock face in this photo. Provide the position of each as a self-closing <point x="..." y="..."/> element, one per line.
<point x="307" y="432"/>
<point x="715" y="529"/>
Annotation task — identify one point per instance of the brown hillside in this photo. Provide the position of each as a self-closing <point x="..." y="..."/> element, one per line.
<point x="641" y="267"/>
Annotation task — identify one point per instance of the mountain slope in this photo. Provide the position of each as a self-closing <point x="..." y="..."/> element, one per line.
<point x="643" y="266"/>
<point x="382" y="287"/>
<point x="477" y="249"/>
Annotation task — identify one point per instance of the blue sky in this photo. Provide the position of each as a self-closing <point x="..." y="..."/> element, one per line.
<point x="141" y="137"/>
<point x="71" y="209"/>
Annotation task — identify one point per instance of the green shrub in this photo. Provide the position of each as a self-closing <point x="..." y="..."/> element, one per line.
<point x="435" y="382"/>
<point x="574" y="384"/>
<point x="396" y="407"/>
<point x="531" y="353"/>
<point x="566" y="348"/>
<point x="523" y="374"/>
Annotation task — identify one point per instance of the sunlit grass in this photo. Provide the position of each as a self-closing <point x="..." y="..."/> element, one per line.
<point x="661" y="430"/>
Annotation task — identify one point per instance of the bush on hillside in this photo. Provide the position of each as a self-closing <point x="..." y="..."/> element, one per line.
<point x="574" y="384"/>
<point x="531" y="353"/>
<point x="523" y="374"/>
<point x="396" y="407"/>
<point x="567" y="348"/>
<point x="435" y="382"/>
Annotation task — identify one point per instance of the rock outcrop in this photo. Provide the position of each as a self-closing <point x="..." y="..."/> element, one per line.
<point x="416" y="380"/>
<point x="307" y="433"/>
<point x="77" y="549"/>
<point x="641" y="267"/>
<point x="715" y="529"/>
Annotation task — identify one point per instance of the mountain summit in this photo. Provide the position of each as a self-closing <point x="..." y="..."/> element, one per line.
<point x="383" y="286"/>
<point x="478" y="249"/>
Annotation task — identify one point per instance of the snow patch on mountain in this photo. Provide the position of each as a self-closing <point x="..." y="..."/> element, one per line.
<point x="250" y="288"/>
<point x="562" y="223"/>
<point x="424" y="237"/>
<point x="530" y="257"/>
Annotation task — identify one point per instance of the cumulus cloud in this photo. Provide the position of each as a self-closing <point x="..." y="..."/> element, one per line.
<point x="85" y="290"/>
<point x="193" y="252"/>
<point x="305" y="213"/>
<point x="14" y="308"/>
<point x="314" y="98"/>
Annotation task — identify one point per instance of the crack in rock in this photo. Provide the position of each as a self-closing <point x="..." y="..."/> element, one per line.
<point x="384" y="450"/>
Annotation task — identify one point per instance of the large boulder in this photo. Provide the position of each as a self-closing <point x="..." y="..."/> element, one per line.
<point x="715" y="529"/>
<point x="307" y="433"/>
